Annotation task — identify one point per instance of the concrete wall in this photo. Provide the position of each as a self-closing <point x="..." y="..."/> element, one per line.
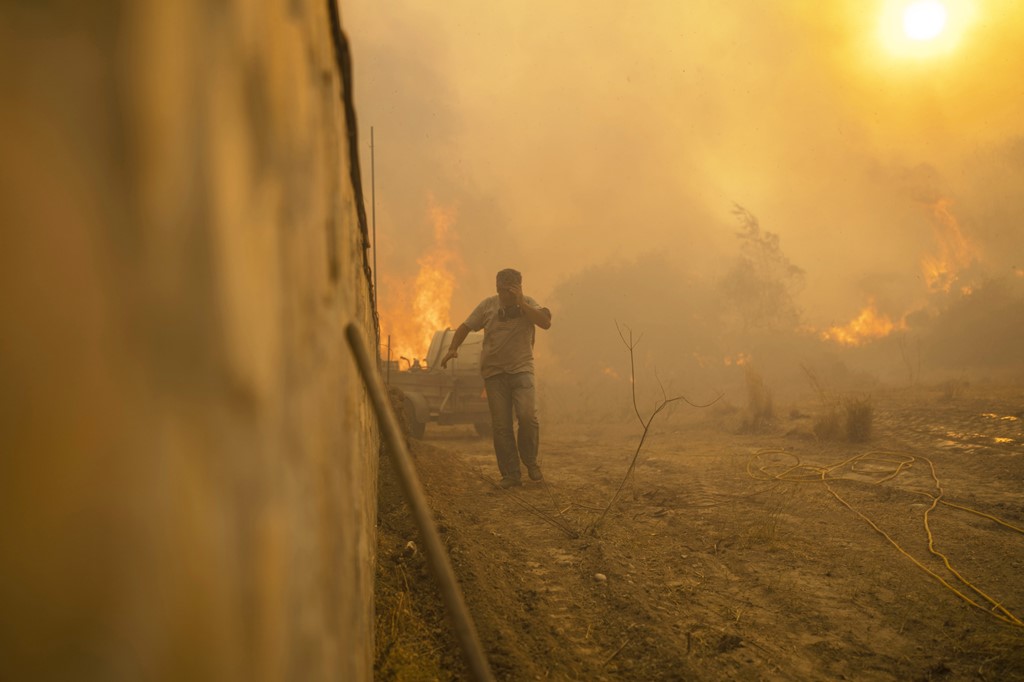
<point x="187" y="459"/>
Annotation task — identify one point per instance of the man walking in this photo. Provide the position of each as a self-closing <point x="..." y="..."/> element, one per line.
<point x="509" y="321"/>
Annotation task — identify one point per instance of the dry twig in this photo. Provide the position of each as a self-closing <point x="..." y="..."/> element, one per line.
<point x="645" y="423"/>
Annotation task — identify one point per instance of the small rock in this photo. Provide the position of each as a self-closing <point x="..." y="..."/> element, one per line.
<point x="600" y="577"/>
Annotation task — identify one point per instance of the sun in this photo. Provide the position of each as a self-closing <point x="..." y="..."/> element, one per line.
<point x="924" y="29"/>
<point x="924" y="20"/>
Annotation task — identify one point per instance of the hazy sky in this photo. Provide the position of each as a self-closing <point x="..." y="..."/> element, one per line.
<point x="556" y="136"/>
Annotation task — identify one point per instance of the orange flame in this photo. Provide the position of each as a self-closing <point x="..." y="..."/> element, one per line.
<point x="955" y="252"/>
<point x="418" y="307"/>
<point x="868" y="325"/>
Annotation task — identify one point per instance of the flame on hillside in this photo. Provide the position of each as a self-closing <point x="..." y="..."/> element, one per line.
<point x="955" y="252"/>
<point x="417" y="307"/>
<point x="942" y="270"/>
<point x="867" y="326"/>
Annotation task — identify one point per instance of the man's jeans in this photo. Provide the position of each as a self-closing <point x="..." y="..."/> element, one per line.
<point x="507" y="393"/>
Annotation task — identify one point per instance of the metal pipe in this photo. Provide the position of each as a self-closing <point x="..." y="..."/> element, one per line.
<point x="437" y="557"/>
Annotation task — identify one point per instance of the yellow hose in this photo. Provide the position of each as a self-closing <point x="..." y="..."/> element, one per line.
<point x="898" y="462"/>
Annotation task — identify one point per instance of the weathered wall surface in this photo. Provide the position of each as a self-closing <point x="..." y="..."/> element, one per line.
<point x="187" y="459"/>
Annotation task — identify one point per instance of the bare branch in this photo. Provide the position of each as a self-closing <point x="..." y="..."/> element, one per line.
<point x="632" y="368"/>
<point x="646" y="424"/>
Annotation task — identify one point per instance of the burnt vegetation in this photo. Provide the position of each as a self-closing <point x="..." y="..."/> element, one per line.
<point x="739" y="327"/>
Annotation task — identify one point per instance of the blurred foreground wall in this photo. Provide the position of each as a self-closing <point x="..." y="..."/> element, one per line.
<point x="187" y="459"/>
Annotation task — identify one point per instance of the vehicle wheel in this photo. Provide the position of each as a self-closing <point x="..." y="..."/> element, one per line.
<point x="483" y="429"/>
<point x="416" y="427"/>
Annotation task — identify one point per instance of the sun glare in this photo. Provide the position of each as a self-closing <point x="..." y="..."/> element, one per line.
<point x="924" y="20"/>
<point x="921" y="29"/>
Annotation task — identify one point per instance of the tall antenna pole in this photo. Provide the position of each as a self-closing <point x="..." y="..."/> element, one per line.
<point x="373" y="212"/>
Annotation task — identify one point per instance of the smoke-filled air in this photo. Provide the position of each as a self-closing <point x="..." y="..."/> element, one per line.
<point x="823" y="193"/>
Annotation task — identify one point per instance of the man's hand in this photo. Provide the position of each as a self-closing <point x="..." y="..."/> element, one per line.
<point x="453" y="349"/>
<point x="517" y="291"/>
<point x="539" y="316"/>
<point x="451" y="354"/>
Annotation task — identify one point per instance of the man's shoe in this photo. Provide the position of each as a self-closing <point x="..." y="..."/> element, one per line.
<point x="509" y="482"/>
<point x="535" y="474"/>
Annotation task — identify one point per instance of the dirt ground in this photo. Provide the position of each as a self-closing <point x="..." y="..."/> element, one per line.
<point x="727" y="555"/>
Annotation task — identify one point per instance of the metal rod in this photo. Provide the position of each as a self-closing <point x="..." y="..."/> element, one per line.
<point x="437" y="557"/>
<point x="373" y="209"/>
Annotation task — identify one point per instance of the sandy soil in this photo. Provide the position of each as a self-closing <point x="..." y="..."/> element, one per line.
<point x="726" y="556"/>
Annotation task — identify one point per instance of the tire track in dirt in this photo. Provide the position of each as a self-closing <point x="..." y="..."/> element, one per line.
<point x="531" y="590"/>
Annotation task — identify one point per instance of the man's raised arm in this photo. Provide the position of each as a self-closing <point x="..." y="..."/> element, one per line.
<point x="539" y="316"/>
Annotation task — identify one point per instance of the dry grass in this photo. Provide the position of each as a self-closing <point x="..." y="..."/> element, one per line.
<point x="954" y="388"/>
<point x="411" y="640"/>
<point x="847" y="417"/>
<point x="860" y="413"/>
<point x="407" y="646"/>
<point x="765" y="526"/>
<point x="829" y="424"/>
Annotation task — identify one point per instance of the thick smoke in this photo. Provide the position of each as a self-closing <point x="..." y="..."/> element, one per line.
<point x="599" y="149"/>
<point x="701" y="334"/>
